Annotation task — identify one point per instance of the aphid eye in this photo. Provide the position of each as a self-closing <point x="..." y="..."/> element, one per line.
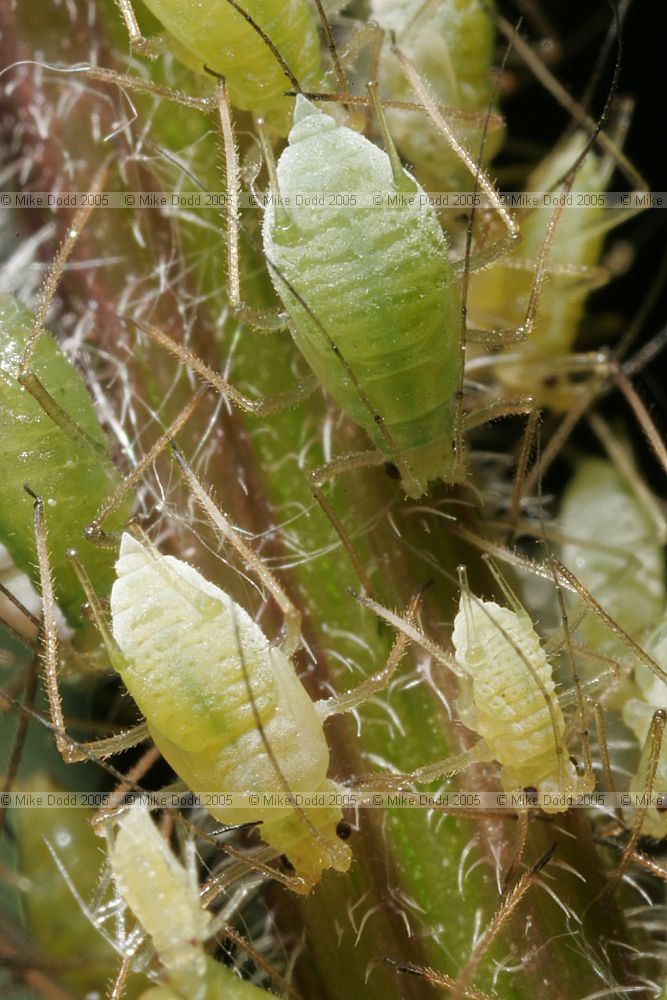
<point x="531" y="794"/>
<point x="661" y="804"/>
<point x="392" y="470"/>
<point x="343" y="830"/>
<point x="285" y="863"/>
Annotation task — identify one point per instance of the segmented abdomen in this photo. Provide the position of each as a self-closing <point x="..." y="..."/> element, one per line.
<point x="512" y="706"/>
<point x="217" y="35"/>
<point x="376" y="278"/>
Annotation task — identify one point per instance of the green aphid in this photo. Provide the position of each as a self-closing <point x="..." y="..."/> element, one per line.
<point x="371" y="284"/>
<point x="214" y="33"/>
<point x="72" y="479"/>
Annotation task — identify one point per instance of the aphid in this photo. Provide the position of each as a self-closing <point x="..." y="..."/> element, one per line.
<point x="222" y="703"/>
<point x="82" y="958"/>
<point x="507" y="696"/>
<point x="614" y="543"/>
<point x="73" y="474"/>
<point x="163" y="894"/>
<point x="393" y="365"/>
<point x="186" y="648"/>
<point x="503" y="294"/>
<point x="451" y="44"/>
<point x="217" y="34"/>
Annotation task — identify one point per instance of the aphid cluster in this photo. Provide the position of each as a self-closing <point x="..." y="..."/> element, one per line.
<point x="383" y="306"/>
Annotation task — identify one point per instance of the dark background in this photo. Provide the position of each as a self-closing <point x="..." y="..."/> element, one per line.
<point x="580" y="29"/>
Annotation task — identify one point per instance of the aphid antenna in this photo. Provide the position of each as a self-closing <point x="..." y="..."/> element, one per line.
<point x="27" y="377"/>
<point x="508" y="905"/>
<point x="275" y="52"/>
<point x="29" y="692"/>
<point x="341" y="75"/>
<point x="561" y="95"/>
<point x="439" y="979"/>
<point x="21" y="608"/>
<point x="619" y="454"/>
<point x="496" y="121"/>
<point x="94" y="531"/>
<point x="226" y="532"/>
<point x="581" y="713"/>
<point x="649" y="761"/>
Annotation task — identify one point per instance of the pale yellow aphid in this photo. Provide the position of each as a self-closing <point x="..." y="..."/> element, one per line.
<point x="508" y="696"/>
<point x="615" y="546"/>
<point x="163" y="894"/>
<point x="217" y="695"/>
<point x="638" y="714"/>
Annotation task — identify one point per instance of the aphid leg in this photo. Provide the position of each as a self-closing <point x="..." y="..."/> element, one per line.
<point x="528" y="439"/>
<point x="291" y="639"/>
<point x="502" y="915"/>
<point x="519" y="848"/>
<point x="643" y="417"/>
<point x="69" y="749"/>
<point x="260" y="407"/>
<point x="608" y="377"/>
<point x="26" y="376"/>
<point x="11" y="770"/>
<point x="325" y="473"/>
<point x="377" y="682"/>
<point x="148" y="47"/>
<point x="440" y="979"/>
<point x="622" y="460"/>
<point x="94" y="531"/>
<point x="565" y="99"/>
<point x="257" y="318"/>
<point x="648" y="764"/>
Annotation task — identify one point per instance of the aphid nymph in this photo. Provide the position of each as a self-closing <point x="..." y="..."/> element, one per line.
<point x="181" y="638"/>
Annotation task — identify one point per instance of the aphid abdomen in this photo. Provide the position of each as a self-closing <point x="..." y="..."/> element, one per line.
<point x="155" y="885"/>
<point x="505" y="703"/>
<point x="219" y="37"/>
<point x="179" y="636"/>
<point x="614" y="549"/>
<point x="35" y="450"/>
<point x="377" y="279"/>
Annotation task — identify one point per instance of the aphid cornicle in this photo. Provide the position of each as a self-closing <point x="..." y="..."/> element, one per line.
<point x="215" y="34"/>
<point x="189" y="654"/>
<point x="374" y="280"/>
